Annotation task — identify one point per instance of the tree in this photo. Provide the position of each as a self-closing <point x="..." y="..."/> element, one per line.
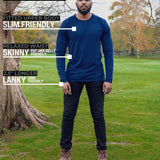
<point x="144" y="38"/>
<point x="30" y="36"/>
<point x="154" y="20"/>
<point x="14" y="106"/>
<point x="128" y="24"/>
<point x="158" y="27"/>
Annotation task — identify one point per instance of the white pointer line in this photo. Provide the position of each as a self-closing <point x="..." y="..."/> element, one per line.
<point x="73" y="28"/>
<point x="68" y="56"/>
<point x="42" y="84"/>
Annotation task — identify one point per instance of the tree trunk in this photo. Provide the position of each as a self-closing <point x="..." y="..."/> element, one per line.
<point x="38" y="37"/>
<point x="132" y="51"/>
<point x="14" y="106"/>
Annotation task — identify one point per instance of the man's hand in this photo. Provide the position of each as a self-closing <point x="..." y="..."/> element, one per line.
<point x="66" y="88"/>
<point x="107" y="87"/>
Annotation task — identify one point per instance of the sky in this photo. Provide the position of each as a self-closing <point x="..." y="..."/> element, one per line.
<point x="100" y="7"/>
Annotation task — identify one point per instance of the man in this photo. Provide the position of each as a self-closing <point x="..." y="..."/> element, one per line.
<point x="85" y="68"/>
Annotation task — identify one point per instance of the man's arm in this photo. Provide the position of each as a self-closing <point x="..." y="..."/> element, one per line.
<point x="61" y="46"/>
<point x="108" y="56"/>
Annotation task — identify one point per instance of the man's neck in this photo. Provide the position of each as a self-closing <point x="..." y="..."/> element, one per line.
<point x="83" y="17"/>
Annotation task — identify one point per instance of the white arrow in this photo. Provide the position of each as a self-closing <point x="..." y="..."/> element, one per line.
<point x="73" y="29"/>
<point x="68" y="56"/>
<point x="42" y="84"/>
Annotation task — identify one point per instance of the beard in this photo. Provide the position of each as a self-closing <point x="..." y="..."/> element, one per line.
<point x="84" y="12"/>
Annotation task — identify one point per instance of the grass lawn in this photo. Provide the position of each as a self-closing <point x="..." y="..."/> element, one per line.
<point x="132" y="114"/>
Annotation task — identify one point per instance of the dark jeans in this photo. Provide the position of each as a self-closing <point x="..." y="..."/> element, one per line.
<point x="96" y="101"/>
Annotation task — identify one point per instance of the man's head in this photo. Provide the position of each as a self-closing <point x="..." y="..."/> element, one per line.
<point x="84" y="6"/>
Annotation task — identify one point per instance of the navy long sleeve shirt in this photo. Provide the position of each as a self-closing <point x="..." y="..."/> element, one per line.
<point x="84" y="45"/>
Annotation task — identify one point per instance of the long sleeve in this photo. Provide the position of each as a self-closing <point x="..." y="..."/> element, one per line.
<point x="61" y="46"/>
<point x="108" y="51"/>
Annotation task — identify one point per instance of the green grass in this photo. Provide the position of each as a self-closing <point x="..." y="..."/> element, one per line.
<point x="132" y="114"/>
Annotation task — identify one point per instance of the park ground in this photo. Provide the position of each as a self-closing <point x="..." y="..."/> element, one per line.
<point x="132" y="114"/>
